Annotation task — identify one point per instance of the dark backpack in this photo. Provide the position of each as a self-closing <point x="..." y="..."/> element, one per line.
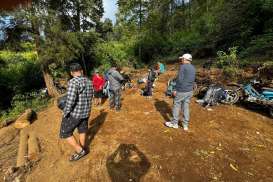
<point x="61" y="102"/>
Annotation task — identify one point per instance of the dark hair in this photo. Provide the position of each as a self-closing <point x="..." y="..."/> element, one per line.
<point x="75" y="67"/>
<point x="114" y="64"/>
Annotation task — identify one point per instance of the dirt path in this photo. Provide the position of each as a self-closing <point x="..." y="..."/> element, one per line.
<point x="226" y="144"/>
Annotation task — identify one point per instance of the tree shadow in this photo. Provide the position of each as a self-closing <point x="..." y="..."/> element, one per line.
<point x="96" y="124"/>
<point x="164" y="109"/>
<point x="127" y="163"/>
<point x="257" y="108"/>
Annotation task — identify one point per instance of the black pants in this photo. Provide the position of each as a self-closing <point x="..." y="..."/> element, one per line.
<point x="69" y="124"/>
<point x="148" y="89"/>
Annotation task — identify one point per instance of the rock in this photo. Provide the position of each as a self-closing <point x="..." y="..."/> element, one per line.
<point x="11" y="171"/>
<point x="25" y="119"/>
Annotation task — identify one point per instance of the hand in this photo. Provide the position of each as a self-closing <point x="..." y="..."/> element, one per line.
<point x="174" y="93"/>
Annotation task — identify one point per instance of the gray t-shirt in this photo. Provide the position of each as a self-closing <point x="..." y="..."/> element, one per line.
<point x="115" y="79"/>
<point x="185" y="78"/>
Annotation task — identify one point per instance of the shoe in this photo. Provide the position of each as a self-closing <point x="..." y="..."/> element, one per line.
<point x="186" y="128"/>
<point x="118" y="109"/>
<point x="171" y="125"/>
<point x="77" y="156"/>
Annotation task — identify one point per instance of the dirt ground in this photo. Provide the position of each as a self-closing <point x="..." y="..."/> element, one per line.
<point x="229" y="143"/>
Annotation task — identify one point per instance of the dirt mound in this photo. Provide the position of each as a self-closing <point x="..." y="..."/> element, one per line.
<point x="228" y="143"/>
<point x="9" y="141"/>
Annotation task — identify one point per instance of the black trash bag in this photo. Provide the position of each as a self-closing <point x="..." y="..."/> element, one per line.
<point x="214" y="95"/>
<point x="62" y="102"/>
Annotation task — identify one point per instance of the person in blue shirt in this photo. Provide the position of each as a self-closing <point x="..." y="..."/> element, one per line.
<point x="162" y="68"/>
<point x="183" y="92"/>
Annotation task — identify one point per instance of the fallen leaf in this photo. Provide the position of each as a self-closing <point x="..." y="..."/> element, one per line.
<point x="250" y="174"/>
<point x="233" y="167"/>
<point x="261" y="146"/>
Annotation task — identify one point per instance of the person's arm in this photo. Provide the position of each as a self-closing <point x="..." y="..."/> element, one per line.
<point x="71" y="98"/>
<point x="118" y="76"/>
<point x="179" y="76"/>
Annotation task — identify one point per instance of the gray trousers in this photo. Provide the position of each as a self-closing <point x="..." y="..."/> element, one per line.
<point x="115" y="96"/>
<point x="182" y="101"/>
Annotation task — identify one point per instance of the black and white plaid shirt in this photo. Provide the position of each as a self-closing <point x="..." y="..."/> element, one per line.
<point x="79" y="98"/>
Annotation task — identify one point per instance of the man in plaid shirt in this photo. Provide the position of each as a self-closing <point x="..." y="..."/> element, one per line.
<point x="77" y="111"/>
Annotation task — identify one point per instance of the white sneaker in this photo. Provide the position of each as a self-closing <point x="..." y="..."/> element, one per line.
<point x="171" y="125"/>
<point x="186" y="128"/>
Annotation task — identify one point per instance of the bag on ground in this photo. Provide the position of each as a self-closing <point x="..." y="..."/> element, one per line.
<point x="214" y="95"/>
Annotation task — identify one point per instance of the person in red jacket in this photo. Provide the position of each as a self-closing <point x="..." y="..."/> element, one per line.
<point x="98" y="83"/>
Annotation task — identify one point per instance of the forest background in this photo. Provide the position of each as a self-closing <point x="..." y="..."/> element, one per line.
<point x="42" y="39"/>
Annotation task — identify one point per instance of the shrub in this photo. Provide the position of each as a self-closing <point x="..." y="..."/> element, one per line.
<point x="17" y="71"/>
<point x="34" y="100"/>
<point x="114" y="52"/>
<point x="228" y="62"/>
<point x="260" y="46"/>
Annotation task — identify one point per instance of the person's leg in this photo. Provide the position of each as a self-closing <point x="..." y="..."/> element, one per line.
<point x="83" y="129"/>
<point x="176" y="110"/>
<point x="95" y="101"/>
<point x="150" y="86"/>
<point x="111" y="99"/>
<point x="99" y="100"/>
<point x="117" y="99"/>
<point x="82" y="137"/>
<point x="68" y="126"/>
<point x="72" y="141"/>
<point x="186" y="109"/>
<point x="176" y="107"/>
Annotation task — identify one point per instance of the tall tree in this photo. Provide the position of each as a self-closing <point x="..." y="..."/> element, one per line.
<point x="57" y="20"/>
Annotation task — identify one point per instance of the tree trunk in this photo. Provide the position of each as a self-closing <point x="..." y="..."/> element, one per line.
<point x="52" y="90"/>
<point x="78" y="17"/>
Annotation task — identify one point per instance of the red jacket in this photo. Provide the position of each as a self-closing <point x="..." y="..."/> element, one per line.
<point x="98" y="82"/>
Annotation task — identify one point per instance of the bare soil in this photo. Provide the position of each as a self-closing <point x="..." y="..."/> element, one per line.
<point x="229" y="143"/>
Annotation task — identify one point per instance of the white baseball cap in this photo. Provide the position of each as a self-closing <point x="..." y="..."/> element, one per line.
<point x="186" y="56"/>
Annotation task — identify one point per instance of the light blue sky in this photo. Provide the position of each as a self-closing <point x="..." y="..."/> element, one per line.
<point x="110" y="9"/>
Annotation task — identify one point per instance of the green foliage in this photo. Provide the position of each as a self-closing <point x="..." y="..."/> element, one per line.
<point x="261" y="46"/>
<point x="21" y="102"/>
<point x="27" y="46"/>
<point x="199" y="27"/>
<point x="115" y="52"/>
<point x="17" y="71"/>
<point x="229" y="62"/>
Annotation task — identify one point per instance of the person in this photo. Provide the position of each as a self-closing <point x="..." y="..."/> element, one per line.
<point x="127" y="82"/>
<point x="148" y="91"/>
<point x="161" y="67"/>
<point x="115" y="82"/>
<point x="183" y="92"/>
<point x="77" y="111"/>
<point x="98" y="84"/>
